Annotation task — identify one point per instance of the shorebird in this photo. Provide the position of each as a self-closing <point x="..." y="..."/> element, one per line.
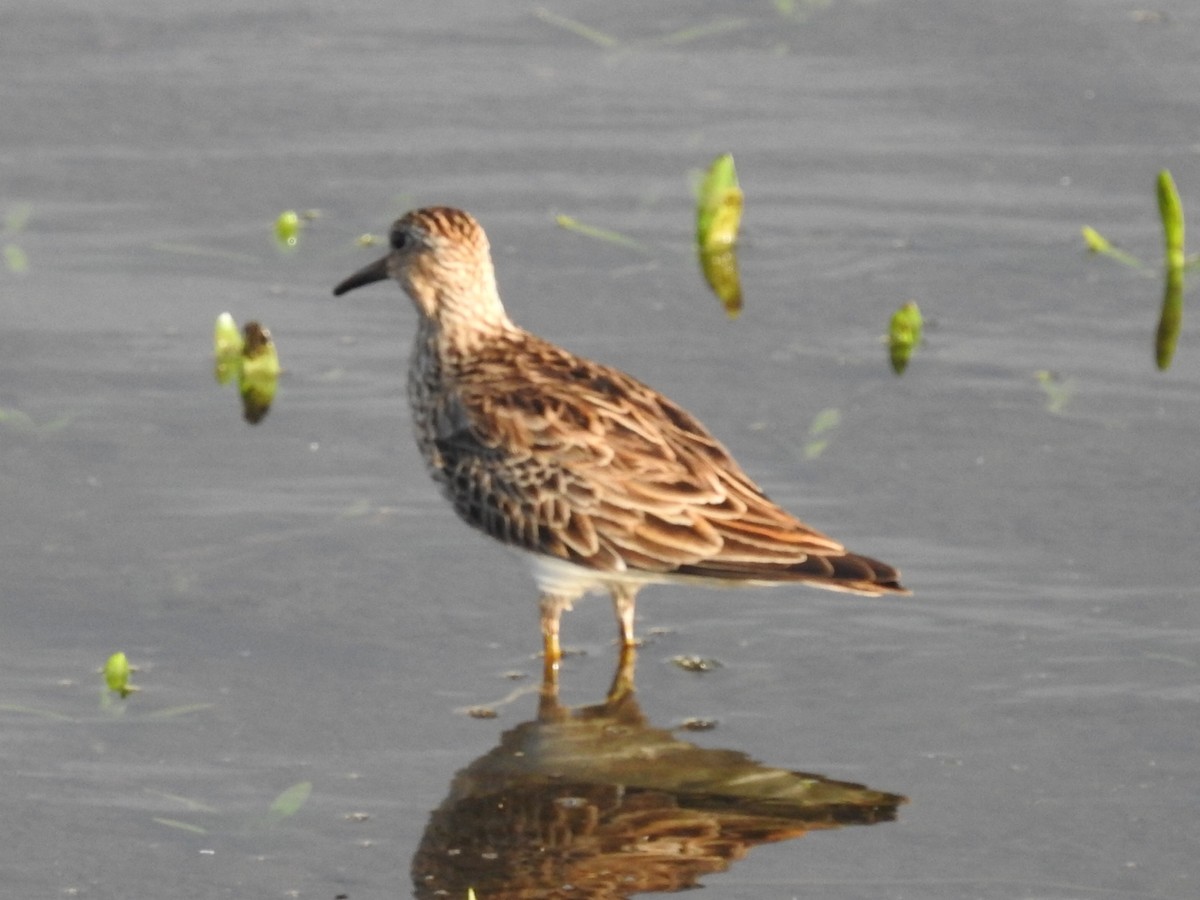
<point x="605" y="483"/>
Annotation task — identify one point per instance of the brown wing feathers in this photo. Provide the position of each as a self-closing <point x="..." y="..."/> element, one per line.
<point x="624" y="479"/>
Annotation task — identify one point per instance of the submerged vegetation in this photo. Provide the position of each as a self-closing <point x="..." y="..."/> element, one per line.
<point x="288" y="803"/>
<point x="823" y="425"/>
<point x="21" y="421"/>
<point x="1058" y="390"/>
<point x="569" y="223"/>
<point x="285" y="805"/>
<point x="15" y="259"/>
<point x="607" y="41"/>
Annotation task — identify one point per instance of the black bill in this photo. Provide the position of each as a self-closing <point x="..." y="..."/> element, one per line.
<point x="376" y="271"/>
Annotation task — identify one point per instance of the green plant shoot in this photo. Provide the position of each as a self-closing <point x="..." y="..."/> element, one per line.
<point x="287" y="229"/>
<point x="1170" y="208"/>
<point x="719" y="201"/>
<point x="1175" y="264"/>
<point x="249" y="356"/>
<point x="116" y="675"/>
<point x="259" y="376"/>
<point x="1100" y="245"/>
<point x="1170" y="319"/>
<point x="719" y="205"/>
<point x="904" y="334"/>
<point x="227" y="348"/>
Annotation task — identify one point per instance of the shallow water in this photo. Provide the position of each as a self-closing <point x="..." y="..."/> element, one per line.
<point x="306" y="609"/>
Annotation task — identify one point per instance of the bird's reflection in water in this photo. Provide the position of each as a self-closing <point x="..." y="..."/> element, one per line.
<point x="594" y="802"/>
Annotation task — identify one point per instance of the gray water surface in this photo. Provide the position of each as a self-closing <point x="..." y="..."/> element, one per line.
<point x="305" y="608"/>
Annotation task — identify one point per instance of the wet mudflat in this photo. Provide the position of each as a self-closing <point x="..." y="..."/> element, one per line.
<point x="305" y="609"/>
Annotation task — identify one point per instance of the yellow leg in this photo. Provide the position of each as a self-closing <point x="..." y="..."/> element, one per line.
<point x="549" y="709"/>
<point x="552" y="610"/>
<point x="622" y="683"/>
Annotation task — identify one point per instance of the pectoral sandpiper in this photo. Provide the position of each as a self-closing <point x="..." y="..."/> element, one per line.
<point x="606" y="483"/>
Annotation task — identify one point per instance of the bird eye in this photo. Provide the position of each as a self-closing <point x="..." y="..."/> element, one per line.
<point x="400" y="238"/>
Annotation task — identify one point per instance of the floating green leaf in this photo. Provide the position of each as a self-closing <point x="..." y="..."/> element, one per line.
<point x="904" y="334"/>
<point x="116" y="675"/>
<point x="289" y="802"/>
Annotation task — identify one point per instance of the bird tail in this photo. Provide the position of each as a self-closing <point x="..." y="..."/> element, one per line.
<point x="848" y="572"/>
